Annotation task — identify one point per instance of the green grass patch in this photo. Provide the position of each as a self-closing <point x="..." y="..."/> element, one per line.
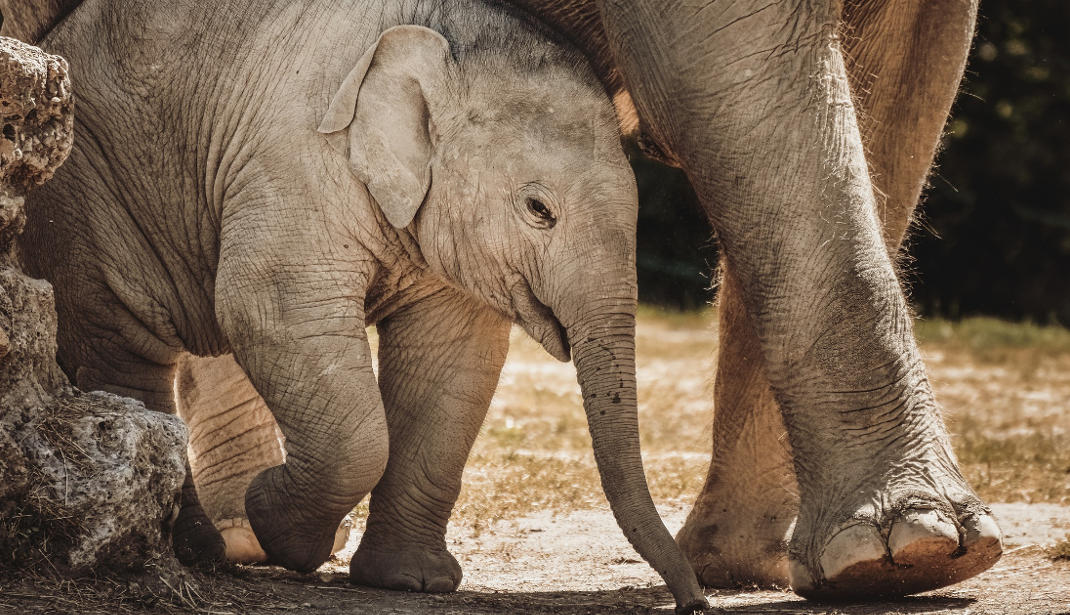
<point x="700" y="320"/>
<point x="991" y="339"/>
<point x="1028" y="467"/>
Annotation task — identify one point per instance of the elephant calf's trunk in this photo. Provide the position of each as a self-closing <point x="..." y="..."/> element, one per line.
<point x="605" y="366"/>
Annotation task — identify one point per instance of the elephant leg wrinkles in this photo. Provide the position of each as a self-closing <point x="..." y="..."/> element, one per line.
<point x="439" y="362"/>
<point x="233" y="437"/>
<point x="890" y="523"/>
<point x="296" y="326"/>
<point x="904" y="99"/>
<point x="737" y="532"/>
<point x="904" y="64"/>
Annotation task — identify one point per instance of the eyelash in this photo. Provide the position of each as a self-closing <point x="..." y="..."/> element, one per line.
<point x="540" y="210"/>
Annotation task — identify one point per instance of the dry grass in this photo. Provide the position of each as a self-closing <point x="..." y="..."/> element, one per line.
<point x="1005" y="387"/>
<point x="1060" y="551"/>
<point x="1006" y="391"/>
<point x="166" y="590"/>
<point x="534" y="452"/>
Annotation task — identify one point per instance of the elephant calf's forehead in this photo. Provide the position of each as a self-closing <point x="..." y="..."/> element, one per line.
<point x="554" y="112"/>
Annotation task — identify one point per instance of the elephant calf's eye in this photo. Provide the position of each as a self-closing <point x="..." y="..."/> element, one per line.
<point x="541" y="211"/>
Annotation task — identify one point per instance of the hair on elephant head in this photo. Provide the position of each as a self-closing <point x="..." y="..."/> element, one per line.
<point x="508" y="160"/>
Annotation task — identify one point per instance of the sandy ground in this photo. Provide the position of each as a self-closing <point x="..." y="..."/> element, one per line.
<point x="579" y="563"/>
<point x="533" y="533"/>
<point x="574" y="564"/>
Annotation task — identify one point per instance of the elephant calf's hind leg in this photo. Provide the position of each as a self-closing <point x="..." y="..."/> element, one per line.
<point x="233" y="437"/>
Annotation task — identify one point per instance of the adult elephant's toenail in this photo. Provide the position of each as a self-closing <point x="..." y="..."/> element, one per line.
<point x="920" y="533"/>
<point x="852" y="545"/>
<point x="982" y="532"/>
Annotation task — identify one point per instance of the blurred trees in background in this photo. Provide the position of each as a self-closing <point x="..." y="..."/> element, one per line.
<point x="999" y="206"/>
<point x="993" y="236"/>
<point x="676" y="253"/>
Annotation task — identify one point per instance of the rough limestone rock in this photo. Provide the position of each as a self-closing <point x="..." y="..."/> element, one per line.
<point x="87" y="480"/>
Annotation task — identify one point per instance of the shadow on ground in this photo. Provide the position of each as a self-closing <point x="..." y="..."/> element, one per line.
<point x="1021" y="584"/>
<point x="340" y="596"/>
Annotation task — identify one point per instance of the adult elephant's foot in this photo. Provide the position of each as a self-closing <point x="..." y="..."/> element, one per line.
<point x="242" y="547"/>
<point x="911" y="536"/>
<point x="737" y="532"/>
<point x="735" y="538"/>
<point x="406" y="569"/>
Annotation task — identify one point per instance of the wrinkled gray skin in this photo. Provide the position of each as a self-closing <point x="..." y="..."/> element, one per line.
<point x="269" y="183"/>
<point x="807" y="128"/>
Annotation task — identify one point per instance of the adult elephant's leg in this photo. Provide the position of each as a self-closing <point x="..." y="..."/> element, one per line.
<point x="904" y="64"/>
<point x="439" y="361"/>
<point x="753" y="99"/>
<point x="905" y="61"/>
<point x="737" y="532"/>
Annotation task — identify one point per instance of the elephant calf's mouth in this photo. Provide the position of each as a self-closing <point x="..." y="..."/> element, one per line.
<point x="540" y="323"/>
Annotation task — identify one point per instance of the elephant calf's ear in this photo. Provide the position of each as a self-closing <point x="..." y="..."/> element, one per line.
<point x="385" y="103"/>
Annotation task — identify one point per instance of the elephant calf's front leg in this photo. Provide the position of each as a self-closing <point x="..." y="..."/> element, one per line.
<point x="233" y="437"/>
<point x="297" y="329"/>
<point x="439" y="364"/>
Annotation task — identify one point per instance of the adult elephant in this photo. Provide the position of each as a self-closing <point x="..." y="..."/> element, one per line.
<point x="807" y="128"/>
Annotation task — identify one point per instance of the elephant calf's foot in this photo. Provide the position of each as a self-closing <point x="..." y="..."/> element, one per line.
<point x="244" y="548"/>
<point x="294" y="533"/>
<point x="195" y="540"/>
<point x="923" y="542"/>
<point x="411" y="569"/>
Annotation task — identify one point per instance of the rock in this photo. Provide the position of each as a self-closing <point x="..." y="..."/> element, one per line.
<point x="37" y="113"/>
<point x="100" y="480"/>
<point x="87" y="480"/>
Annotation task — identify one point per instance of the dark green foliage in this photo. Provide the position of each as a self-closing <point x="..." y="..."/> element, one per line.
<point x="994" y="232"/>
<point x="1000" y="198"/>
<point x="676" y="253"/>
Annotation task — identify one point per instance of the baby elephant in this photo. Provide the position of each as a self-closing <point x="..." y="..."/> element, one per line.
<point x="466" y="173"/>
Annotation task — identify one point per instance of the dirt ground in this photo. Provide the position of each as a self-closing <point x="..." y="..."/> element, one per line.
<point x="568" y="564"/>
<point x="534" y="534"/>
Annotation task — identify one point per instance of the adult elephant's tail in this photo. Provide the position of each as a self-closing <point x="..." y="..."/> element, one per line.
<point x="31" y="20"/>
